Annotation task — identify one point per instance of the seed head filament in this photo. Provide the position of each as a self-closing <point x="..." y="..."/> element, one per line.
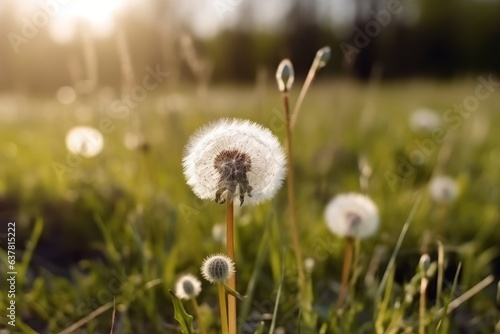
<point x="233" y="167"/>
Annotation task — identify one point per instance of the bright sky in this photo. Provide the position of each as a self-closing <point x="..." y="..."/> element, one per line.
<point x="206" y="17"/>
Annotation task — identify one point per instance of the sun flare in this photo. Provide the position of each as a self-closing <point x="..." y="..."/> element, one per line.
<point x="98" y="15"/>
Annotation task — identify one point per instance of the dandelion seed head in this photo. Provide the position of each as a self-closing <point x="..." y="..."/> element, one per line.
<point x="443" y="189"/>
<point x="234" y="159"/>
<point x="85" y="141"/>
<point x="217" y="268"/>
<point x="285" y="75"/>
<point x="187" y="287"/>
<point x="424" y="120"/>
<point x="352" y="215"/>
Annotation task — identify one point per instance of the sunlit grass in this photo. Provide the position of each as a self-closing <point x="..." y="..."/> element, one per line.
<point x="115" y="224"/>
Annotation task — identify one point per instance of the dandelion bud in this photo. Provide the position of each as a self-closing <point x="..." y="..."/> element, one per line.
<point x="285" y="75"/>
<point x="187" y="287"/>
<point x="424" y="263"/>
<point x="217" y="268"/>
<point x="323" y="56"/>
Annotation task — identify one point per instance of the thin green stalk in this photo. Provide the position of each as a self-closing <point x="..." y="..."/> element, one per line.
<point x="422" y="309"/>
<point x="230" y="253"/>
<point x="291" y="194"/>
<point x="346" y="269"/>
<point x="399" y="243"/>
<point x="223" y="308"/>
<point x="196" y="307"/>
<point x="440" y="273"/>
<point x="318" y="62"/>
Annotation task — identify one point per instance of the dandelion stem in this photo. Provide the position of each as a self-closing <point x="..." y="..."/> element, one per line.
<point x="201" y="327"/>
<point x="423" y="289"/>
<point x="230" y="253"/>
<point x="346" y="269"/>
<point x="291" y="194"/>
<point x="223" y="308"/>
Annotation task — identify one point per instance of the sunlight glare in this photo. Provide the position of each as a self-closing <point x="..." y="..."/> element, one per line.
<point x="97" y="14"/>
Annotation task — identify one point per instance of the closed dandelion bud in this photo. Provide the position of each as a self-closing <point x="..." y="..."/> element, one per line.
<point x="323" y="56"/>
<point x="352" y="215"/>
<point x="217" y="268"/>
<point x="187" y="287"/>
<point x="285" y="75"/>
<point x="424" y="263"/>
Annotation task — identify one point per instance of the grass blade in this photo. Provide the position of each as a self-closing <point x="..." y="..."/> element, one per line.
<point x="278" y="295"/>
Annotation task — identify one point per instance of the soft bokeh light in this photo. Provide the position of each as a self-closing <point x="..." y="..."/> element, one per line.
<point x="66" y="95"/>
<point x="65" y="16"/>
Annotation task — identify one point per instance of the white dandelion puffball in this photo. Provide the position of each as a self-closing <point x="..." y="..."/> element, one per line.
<point x="187" y="287"/>
<point x="234" y="159"/>
<point x="352" y="215"/>
<point x="217" y="268"/>
<point x="424" y="120"/>
<point x="443" y="189"/>
<point x="85" y="141"/>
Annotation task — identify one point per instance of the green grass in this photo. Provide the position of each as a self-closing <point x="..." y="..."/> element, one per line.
<point x="124" y="224"/>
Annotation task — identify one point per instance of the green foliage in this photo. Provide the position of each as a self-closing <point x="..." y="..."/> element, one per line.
<point x="183" y="318"/>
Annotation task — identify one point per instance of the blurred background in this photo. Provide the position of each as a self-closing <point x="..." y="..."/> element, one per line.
<point x="232" y="40"/>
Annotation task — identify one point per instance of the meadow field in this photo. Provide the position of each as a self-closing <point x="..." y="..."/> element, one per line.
<point x="100" y="241"/>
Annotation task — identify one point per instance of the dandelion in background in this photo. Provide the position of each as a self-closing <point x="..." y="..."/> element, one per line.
<point x="424" y="120"/>
<point x="234" y="160"/>
<point x="443" y="189"/>
<point x="188" y="287"/>
<point x="85" y="141"/>
<point x="218" y="269"/>
<point x="352" y="216"/>
<point x="219" y="233"/>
